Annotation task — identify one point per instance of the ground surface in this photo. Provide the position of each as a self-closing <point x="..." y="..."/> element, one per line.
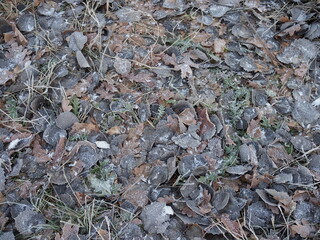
<point x="163" y="119"/>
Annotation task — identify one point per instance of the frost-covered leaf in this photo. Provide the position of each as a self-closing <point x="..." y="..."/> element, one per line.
<point x="102" y="186"/>
<point x="155" y="217"/>
<point x="76" y="41"/>
<point x="82" y="61"/>
<point x="122" y="66"/>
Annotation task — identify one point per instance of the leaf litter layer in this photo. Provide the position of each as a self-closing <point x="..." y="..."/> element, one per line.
<point x="167" y="119"/>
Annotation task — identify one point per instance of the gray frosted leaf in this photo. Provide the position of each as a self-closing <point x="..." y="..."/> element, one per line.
<point x="155" y="217"/>
<point x="218" y="11"/>
<point x="29" y="221"/>
<point x="122" y="66"/>
<point x="301" y="143"/>
<point x="300" y="51"/>
<point x="66" y="120"/>
<point x="186" y="140"/>
<point x="314" y="31"/>
<point x="304" y="113"/>
<point x="258" y="215"/>
<point x="82" y="61"/>
<point x="128" y="15"/>
<point x="2" y="179"/>
<point x="77" y="41"/>
<point x="46" y="9"/>
<point x="239" y="169"/>
<point x="52" y="134"/>
<point x="26" y="23"/>
<point x="248" y="64"/>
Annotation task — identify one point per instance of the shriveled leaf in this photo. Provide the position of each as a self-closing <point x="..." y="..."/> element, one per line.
<point x="304" y="229"/>
<point x="82" y="61"/>
<point x="6" y="75"/>
<point x="254" y="129"/>
<point x="207" y="125"/>
<point x="68" y="231"/>
<point x="205" y="205"/>
<point x="283" y="198"/>
<point x="219" y="45"/>
<point x="187" y="117"/>
<point x="232" y="226"/>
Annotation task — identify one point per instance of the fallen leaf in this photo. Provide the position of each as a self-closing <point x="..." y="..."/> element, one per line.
<point x="219" y="45"/>
<point x="82" y="61"/>
<point x="232" y="226"/>
<point x="206" y="124"/>
<point x="68" y="231"/>
<point x="6" y="75"/>
<point x="65" y="104"/>
<point x="21" y="39"/>
<point x="205" y="205"/>
<point x="39" y="153"/>
<point x="254" y="129"/>
<point x="86" y="128"/>
<point x="303" y="229"/>
<point x="114" y="130"/>
<point x="142" y="78"/>
<point x="188" y="211"/>
<point x="284" y="199"/>
<point x="187" y="117"/>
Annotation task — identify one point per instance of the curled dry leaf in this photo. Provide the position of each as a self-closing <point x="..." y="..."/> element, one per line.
<point x="304" y="229"/>
<point x="284" y="199"/>
<point x="206" y="124"/>
<point x="68" y="231"/>
<point x="232" y="226"/>
<point x="187" y="117"/>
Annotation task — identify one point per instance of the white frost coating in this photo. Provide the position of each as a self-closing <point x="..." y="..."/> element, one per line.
<point x="167" y="210"/>
<point x="316" y="102"/>
<point x="13" y="144"/>
<point x="102" y="144"/>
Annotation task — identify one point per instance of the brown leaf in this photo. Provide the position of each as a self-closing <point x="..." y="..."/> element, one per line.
<point x="291" y="30"/>
<point x="187" y="211"/>
<point x="65" y="104"/>
<point x="24" y="189"/>
<point x="300" y="195"/>
<point x="232" y="226"/>
<point x="166" y="199"/>
<point x="303" y="229"/>
<point x="104" y="234"/>
<point x="201" y="37"/>
<point x="185" y="66"/>
<point x="173" y="124"/>
<point x="114" y="130"/>
<point x="205" y="205"/>
<point x="106" y="90"/>
<point x="142" y="77"/>
<point x="39" y="153"/>
<point x="9" y="36"/>
<point x="187" y="117"/>
<point x="279" y="155"/>
<point x="206" y="123"/>
<point x="137" y="195"/>
<point x="83" y="128"/>
<point x="253" y="129"/>
<point x="83" y="198"/>
<point x="21" y="39"/>
<point x="68" y="231"/>
<point x="60" y="150"/>
<point x="219" y="45"/>
<point x="80" y="88"/>
<point x="143" y="171"/>
<point x="301" y="70"/>
<point x="284" y="199"/>
<point x="6" y="75"/>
